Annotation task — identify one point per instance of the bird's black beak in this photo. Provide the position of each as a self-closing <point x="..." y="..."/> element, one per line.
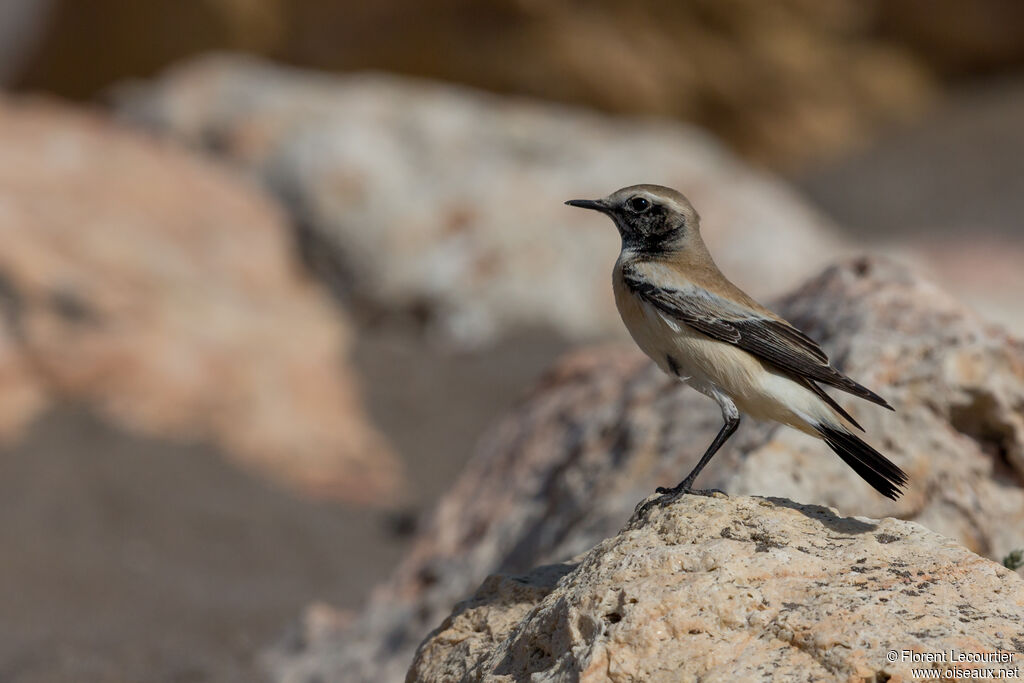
<point x="595" y="204"/>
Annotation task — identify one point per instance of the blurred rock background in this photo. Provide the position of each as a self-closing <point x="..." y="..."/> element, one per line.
<point x="786" y="81"/>
<point x="257" y="307"/>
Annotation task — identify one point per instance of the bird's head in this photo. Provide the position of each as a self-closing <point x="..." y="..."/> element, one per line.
<point x="653" y="220"/>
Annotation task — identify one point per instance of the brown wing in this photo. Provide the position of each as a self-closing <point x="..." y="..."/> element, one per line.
<point x="770" y="339"/>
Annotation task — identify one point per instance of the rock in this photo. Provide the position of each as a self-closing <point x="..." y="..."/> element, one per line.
<point x="162" y="292"/>
<point x="447" y="203"/>
<point x="725" y="589"/>
<point x="605" y="427"/>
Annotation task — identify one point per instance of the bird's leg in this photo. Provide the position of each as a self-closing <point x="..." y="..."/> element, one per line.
<point x="732" y="420"/>
<point x="731" y="423"/>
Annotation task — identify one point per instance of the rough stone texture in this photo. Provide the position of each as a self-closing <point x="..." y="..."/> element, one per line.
<point x="605" y="427"/>
<point x="447" y="203"/>
<point x="717" y="589"/>
<point x="163" y="293"/>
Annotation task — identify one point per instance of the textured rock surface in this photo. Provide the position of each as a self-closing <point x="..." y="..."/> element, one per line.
<point x="162" y="292"/>
<point x="446" y="202"/>
<point x="564" y="470"/>
<point x="717" y="589"/>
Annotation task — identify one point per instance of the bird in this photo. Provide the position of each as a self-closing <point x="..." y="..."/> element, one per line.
<point x="700" y="328"/>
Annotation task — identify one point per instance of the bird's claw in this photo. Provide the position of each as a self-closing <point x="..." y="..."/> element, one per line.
<point x="667" y="496"/>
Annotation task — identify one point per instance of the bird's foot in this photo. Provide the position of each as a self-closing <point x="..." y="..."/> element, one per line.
<point x="670" y="495"/>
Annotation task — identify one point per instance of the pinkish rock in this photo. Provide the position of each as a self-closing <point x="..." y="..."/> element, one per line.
<point x="739" y="589"/>
<point x="605" y="427"/>
<point x="162" y="292"/>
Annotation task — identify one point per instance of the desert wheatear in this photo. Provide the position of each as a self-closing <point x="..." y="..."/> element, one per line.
<point x="697" y="326"/>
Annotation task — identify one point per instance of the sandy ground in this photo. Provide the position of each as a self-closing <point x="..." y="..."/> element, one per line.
<point x="130" y="559"/>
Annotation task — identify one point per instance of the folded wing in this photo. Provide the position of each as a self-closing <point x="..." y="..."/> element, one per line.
<point x="770" y="339"/>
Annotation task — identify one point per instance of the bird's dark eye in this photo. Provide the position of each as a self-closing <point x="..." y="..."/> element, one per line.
<point x="638" y="204"/>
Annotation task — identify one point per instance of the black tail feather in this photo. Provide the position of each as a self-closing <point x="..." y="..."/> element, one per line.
<point x="872" y="466"/>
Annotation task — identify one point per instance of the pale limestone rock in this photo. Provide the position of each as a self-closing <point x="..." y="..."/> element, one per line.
<point x="162" y="292"/>
<point x="605" y="427"/>
<point x="428" y="197"/>
<point x="736" y="589"/>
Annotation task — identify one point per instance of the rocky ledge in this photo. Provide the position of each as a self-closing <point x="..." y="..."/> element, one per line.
<point x="742" y="588"/>
<point x="563" y="470"/>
